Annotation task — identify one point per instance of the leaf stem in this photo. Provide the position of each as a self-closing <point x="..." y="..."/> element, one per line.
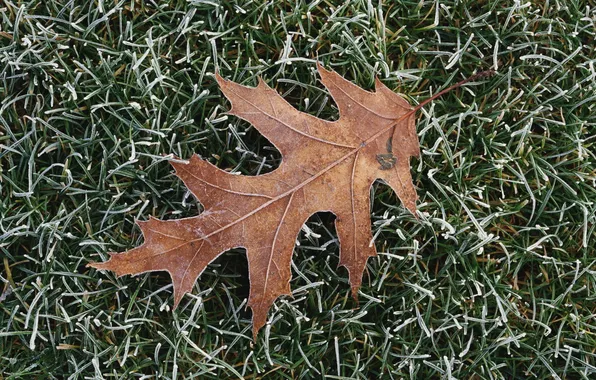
<point x="383" y="158"/>
<point x="479" y="75"/>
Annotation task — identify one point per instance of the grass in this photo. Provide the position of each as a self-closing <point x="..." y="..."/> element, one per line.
<point x="497" y="280"/>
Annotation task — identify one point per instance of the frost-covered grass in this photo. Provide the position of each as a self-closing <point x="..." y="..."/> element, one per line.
<point x="497" y="280"/>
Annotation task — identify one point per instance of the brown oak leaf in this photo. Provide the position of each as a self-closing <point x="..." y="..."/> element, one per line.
<point x="326" y="166"/>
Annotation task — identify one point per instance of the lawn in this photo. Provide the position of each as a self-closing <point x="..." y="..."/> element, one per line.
<point x="496" y="279"/>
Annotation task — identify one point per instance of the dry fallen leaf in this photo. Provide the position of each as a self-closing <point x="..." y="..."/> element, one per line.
<point x="326" y="166"/>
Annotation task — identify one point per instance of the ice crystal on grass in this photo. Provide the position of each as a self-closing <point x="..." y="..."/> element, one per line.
<point x="521" y="143"/>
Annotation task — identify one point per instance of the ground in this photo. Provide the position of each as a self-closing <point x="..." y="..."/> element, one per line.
<point x="495" y="280"/>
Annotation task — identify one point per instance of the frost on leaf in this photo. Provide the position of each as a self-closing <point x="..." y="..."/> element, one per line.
<point x="326" y="166"/>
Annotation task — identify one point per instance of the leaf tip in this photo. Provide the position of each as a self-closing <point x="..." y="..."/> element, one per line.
<point x="415" y="213"/>
<point x="144" y="224"/>
<point x="378" y="83"/>
<point x="261" y="83"/>
<point x="322" y="70"/>
<point x="257" y="324"/>
<point x="177" y="165"/>
<point x="218" y="78"/>
<point x="178" y="295"/>
<point x="105" y="265"/>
